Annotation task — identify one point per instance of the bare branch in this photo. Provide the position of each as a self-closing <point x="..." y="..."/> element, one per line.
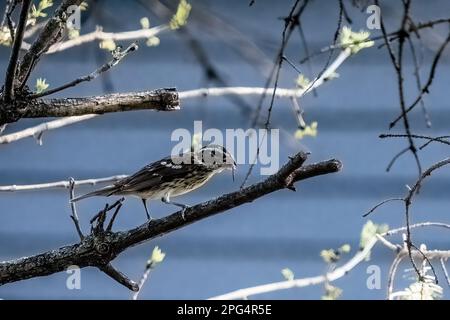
<point x="38" y="130"/>
<point x="60" y="184"/>
<point x="100" y="35"/>
<point x="418" y="80"/>
<point x="10" y="79"/>
<point x="74" y="215"/>
<point x="141" y="283"/>
<point x="380" y="204"/>
<point x="425" y="174"/>
<point x="444" y="269"/>
<point x="392" y="272"/>
<point x="415" y="226"/>
<point x="415" y="136"/>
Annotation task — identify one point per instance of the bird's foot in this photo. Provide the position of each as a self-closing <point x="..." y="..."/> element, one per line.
<point x="183" y="211"/>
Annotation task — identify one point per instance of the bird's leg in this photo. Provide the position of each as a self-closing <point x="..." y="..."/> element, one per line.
<point x="149" y="217"/>
<point x="166" y="199"/>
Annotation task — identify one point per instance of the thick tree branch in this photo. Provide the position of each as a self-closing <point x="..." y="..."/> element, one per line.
<point x="161" y="100"/>
<point x="99" y="249"/>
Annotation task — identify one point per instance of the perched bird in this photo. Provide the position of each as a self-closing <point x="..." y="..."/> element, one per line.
<point x="171" y="176"/>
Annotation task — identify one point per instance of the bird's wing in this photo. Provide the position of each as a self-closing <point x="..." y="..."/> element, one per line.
<point x="152" y="175"/>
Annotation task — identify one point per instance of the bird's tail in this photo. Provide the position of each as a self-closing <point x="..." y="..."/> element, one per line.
<point x="106" y="191"/>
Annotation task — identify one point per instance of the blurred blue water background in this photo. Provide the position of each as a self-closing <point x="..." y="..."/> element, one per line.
<point x="248" y="245"/>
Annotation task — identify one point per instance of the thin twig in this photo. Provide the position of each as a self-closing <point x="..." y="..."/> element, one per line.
<point x="2" y="129"/>
<point x="398" y="155"/>
<point x="101" y="216"/>
<point x="415" y="136"/>
<point x="38" y="130"/>
<point x="418" y="80"/>
<point x="9" y="3"/>
<point x="380" y="204"/>
<point x="306" y="49"/>
<point x="145" y="275"/>
<point x="99" y="35"/>
<point x="392" y="272"/>
<point x="119" y="277"/>
<point x="387" y="243"/>
<point x="74" y="215"/>
<point x="408" y="201"/>
<point x="426" y="88"/>
<point x="113" y="218"/>
<point x="117" y="58"/>
<point x="444" y="270"/>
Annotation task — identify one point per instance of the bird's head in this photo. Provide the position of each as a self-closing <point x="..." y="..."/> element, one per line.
<point x="216" y="156"/>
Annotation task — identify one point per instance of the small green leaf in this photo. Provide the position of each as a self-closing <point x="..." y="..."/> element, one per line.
<point x="302" y="82"/>
<point x="330" y="256"/>
<point x="310" y="130"/>
<point x="156" y="257"/>
<point x="145" y="23"/>
<point x="83" y="6"/>
<point x="355" y="41"/>
<point x="73" y="33"/>
<point x="41" y="85"/>
<point x="331" y="292"/>
<point x="332" y="76"/>
<point x="369" y="231"/>
<point x="109" y="45"/>
<point x="38" y="12"/>
<point x="153" y="41"/>
<point x="288" y="274"/>
<point x="5" y="36"/>
<point x="345" y="248"/>
<point x="180" y="17"/>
